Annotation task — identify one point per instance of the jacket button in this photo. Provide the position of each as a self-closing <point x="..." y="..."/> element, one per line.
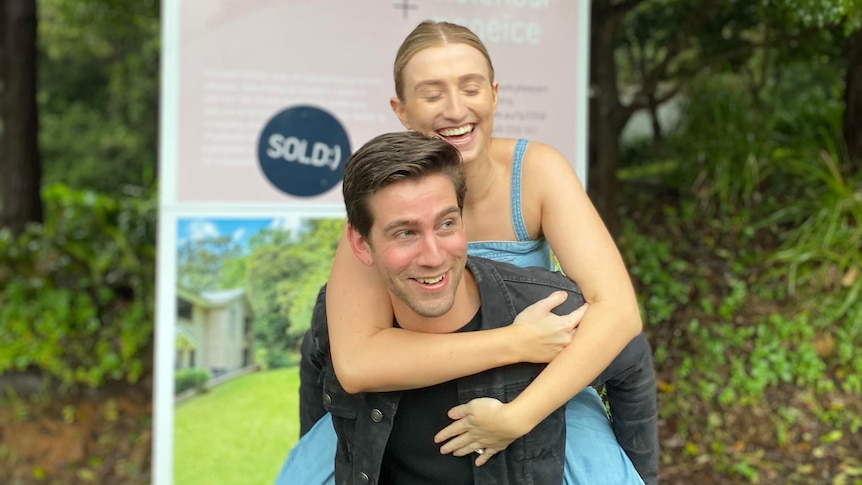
<point x="327" y="401"/>
<point x="363" y="478"/>
<point x="376" y="415"/>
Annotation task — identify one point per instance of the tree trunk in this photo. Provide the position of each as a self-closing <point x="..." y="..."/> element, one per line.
<point x="20" y="170"/>
<point x="853" y="101"/>
<point x="657" y="130"/>
<point x="607" y="114"/>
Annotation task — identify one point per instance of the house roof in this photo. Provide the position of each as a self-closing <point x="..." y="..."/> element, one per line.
<point x="210" y="299"/>
<point x="222" y="297"/>
<point x="183" y="333"/>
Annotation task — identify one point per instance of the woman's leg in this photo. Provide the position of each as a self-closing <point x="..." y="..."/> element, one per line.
<point x="592" y="452"/>
<point x="312" y="459"/>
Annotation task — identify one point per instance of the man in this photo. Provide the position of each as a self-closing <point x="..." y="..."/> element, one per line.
<point x="404" y="194"/>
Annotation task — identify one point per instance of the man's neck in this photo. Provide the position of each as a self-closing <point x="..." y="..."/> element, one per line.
<point x="463" y="310"/>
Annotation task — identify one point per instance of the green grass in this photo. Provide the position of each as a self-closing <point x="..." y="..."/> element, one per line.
<point x="239" y="432"/>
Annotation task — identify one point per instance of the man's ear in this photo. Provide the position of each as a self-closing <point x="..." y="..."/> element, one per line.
<point x="398" y="108"/>
<point x="361" y="248"/>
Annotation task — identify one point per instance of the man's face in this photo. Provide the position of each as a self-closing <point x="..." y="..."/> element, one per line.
<point x="417" y="244"/>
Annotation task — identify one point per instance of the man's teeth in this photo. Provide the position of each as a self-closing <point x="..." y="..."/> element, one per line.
<point x="457" y="131"/>
<point x="430" y="281"/>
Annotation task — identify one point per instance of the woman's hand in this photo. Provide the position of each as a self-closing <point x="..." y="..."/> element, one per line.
<point x="481" y="424"/>
<point x="542" y="334"/>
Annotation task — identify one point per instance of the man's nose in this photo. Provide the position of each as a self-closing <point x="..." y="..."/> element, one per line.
<point x="431" y="254"/>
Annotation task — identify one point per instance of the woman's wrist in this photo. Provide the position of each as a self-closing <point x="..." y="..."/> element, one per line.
<point x="515" y="338"/>
<point x="518" y="419"/>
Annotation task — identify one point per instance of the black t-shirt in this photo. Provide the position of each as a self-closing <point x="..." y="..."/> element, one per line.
<point x="411" y="455"/>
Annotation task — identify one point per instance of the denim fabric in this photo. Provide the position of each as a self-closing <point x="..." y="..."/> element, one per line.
<point x="363" y="421"/>
<point x="590" y="444"/>
<point x="631" y="392"/>
<point x="629" y="382"/>
<point x="519" y="253"/>
<point x="593" y="455"/>
<point x="311" y="461"/>
<point x="525" y="251"/>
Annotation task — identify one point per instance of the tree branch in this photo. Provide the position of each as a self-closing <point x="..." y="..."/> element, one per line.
<point x="694" y="22"/>
<point x="684" y="75"/>
<point x="624" y="6"/>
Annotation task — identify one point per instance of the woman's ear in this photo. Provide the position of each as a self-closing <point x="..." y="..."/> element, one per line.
<point x="496" y="88"/>
<point x="360" y="246"/>
<point x="398" y="108"/>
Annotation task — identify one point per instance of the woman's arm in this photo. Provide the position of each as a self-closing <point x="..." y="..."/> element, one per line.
<point x="589" y="257"/>
<point x="370" y="355"/>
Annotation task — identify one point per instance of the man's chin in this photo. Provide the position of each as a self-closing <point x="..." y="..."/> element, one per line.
<point x="429" y="312"/>
<point x="432" y="310"/>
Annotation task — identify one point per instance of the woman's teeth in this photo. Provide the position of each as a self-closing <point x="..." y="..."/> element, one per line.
<point x="457" y="131"/>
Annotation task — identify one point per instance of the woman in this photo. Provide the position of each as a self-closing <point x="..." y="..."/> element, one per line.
<point x="521" y="199"/>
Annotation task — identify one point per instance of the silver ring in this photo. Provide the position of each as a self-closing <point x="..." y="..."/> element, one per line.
<point x="479" y="451"/>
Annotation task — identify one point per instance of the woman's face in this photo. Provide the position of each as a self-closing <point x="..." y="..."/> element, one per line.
<point x="448" y="92"/>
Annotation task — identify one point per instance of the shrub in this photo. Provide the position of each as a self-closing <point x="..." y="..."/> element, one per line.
<point x="186" y="379"/>
<point x="76" y="293"/>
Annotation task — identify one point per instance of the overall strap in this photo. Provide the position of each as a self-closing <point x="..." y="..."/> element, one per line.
<point x="517" y="215"/>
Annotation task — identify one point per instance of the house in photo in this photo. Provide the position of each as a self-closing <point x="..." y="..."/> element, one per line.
<point x="214" y="330"/>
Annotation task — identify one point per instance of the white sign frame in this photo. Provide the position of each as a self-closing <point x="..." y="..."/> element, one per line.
<point x="177" y="202"/>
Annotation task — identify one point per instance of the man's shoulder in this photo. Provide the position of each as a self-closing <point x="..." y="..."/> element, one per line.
<point x="319" y="328"/>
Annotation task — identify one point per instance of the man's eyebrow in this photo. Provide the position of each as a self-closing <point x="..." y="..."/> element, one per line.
<point x="451" y="210"/>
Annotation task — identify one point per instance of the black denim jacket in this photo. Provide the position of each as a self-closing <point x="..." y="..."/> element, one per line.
<point x="363" y="421"/>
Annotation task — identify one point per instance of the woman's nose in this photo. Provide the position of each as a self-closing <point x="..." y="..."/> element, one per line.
<point x="455" y="108"/>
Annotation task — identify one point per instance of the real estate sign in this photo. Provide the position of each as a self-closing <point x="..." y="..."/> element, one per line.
<point x="263" y="101"/>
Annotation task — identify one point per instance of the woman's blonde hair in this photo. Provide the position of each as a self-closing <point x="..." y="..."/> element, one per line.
<point x="435" y="34"/>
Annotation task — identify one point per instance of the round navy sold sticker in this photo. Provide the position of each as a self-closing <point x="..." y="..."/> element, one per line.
<point x="302" y="151"/>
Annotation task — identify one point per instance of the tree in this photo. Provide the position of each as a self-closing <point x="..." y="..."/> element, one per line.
<point x="853" y="100"/>
<point x="644" y="52"/>
<point x="284" y="273"/>
<point x="20" y="167"/>
<point x="848" y="14"/>
<point x="98" y="85"/>
<point x="607" y="113"/>
<point x="317" y="248"/>
<point x="665" y="44"/>
<point x="201" y="262"/>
